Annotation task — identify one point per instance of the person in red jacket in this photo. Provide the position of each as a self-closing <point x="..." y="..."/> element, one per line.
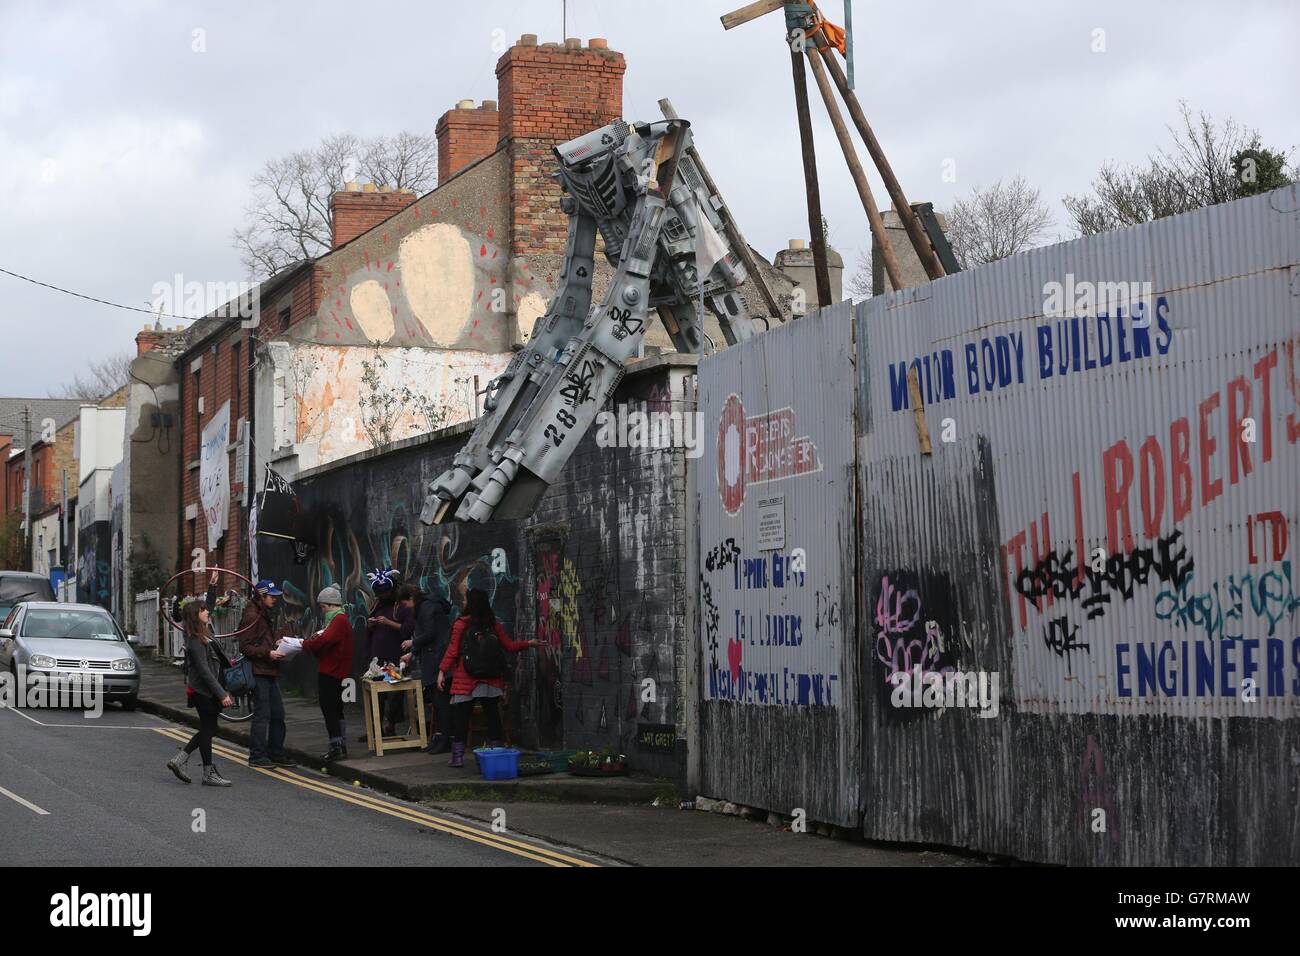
<point x="332" y="645"/>
<point x="477" y="667"/>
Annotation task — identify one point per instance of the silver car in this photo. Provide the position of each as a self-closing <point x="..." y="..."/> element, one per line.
<point x="70" y="643"/>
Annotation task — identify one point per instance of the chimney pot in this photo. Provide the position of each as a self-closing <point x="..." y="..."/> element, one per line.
<point x="385" y="188"/>
<point x="464" y="104"/>
<point x="368" y="187"/>
<point x="797" y="244"/>
<point x="489" y="105"/>
<point x="572" y="43"/>
<point x="598" y="43"/>
<point x="352" y="187"/>
<point x="550" y="46"/>
<point x="528" y="39"/>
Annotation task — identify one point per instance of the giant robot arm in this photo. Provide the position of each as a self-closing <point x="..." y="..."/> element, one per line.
<point x="639" y="188"/>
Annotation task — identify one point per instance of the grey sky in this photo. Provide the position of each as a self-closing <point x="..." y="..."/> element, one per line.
<point x="125" y="156"/>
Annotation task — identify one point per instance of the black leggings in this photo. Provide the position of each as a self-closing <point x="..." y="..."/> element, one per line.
<point x="461" y="713"/>
<point x="330" y="691"/>
<point x="202" y="739"/>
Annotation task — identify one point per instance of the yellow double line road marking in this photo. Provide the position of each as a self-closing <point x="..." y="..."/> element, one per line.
<point x="361" y="799"/>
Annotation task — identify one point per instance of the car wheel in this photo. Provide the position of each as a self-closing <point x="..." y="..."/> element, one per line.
<point x="130" y="703"/>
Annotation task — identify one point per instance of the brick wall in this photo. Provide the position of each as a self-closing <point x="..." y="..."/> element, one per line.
<point x="359" y="209"/>
<point x="550" y="94"/>
<point x="465" y="135"/>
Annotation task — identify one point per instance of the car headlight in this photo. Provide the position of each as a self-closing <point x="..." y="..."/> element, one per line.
<point x="124" y="664"/>
<point x="40" y="660"/>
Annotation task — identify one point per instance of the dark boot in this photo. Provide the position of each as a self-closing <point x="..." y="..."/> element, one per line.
<point x="439" y="744"/>
<point x="457" y="756"/>
<point x="336" y="752"/>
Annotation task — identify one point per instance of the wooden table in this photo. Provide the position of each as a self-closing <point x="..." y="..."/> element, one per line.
<point x="375" y="739"/>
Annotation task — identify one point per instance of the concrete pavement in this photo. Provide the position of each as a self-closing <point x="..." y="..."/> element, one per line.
<point x="405" y="773"/>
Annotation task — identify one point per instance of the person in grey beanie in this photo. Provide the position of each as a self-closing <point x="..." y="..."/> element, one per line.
<point x="332" y="645"/>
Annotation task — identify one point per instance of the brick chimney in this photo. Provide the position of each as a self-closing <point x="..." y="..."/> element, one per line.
<point x="359" y="209"/>
<point x="550" y="94"/>
<point x="149" y="339"/>
<point x="465" y="135"/>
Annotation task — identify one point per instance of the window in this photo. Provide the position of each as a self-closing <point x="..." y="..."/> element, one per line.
<point x="285" y="315"/>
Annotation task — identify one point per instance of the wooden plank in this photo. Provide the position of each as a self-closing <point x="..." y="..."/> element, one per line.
<point x="920" y="241"/>
<point x="856" y="170"/>
<point x="811" y="186"/>
<point x="751" y="11"/>
<point x="918" y="410"/>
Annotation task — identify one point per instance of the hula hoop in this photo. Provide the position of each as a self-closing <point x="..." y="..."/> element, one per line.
<point x="176" y="624"/>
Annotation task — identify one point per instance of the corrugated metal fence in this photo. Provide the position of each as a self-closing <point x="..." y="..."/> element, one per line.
<point x="779" y="715"/>
<point x="1080" y="626"/>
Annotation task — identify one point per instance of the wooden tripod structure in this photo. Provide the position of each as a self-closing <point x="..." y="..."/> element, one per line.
<point x="807" y="34"/>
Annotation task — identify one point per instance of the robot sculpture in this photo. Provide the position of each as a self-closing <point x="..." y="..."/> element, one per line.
<point x="664" y="236"/>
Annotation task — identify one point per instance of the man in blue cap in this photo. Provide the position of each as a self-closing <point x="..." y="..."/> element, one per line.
<point x="257" y="642"/>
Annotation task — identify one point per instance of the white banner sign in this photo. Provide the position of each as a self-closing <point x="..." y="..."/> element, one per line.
<point x="214" y="474"/>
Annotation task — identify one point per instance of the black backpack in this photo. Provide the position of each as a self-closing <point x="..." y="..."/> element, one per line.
<point x="481" y="651"/>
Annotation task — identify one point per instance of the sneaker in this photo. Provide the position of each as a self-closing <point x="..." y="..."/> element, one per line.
<point x="260" y="762"/>
<point x="334" y="753"/>
<point x="284" y="760"/>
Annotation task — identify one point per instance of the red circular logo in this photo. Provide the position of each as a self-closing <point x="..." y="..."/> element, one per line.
<point x="731" y="454"/>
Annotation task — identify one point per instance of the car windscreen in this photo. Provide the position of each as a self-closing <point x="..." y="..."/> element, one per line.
<point x="14" y="589"/>
<point x="71" y="624"/>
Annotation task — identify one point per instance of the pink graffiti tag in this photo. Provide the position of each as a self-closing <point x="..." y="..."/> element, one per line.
<point x="897" y="613"/>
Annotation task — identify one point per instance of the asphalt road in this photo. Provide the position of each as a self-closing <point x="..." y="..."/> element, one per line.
<point x="97" y="792"/>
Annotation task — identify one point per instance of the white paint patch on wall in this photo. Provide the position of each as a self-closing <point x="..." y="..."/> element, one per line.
<point x="332" y="400"/>
<point x="374" y="311"/>
<point x="438" y="277"/>
<point x="531" y="308"/>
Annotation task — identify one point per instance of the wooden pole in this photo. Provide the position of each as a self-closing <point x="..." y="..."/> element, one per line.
<point x="915" y="232"/>
<point x="855" y="168"/>
<point x="810" y="179"/>
<point x="729" y="222"/>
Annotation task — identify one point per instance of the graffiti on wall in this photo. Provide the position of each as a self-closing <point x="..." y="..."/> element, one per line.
<point x="600" y="648"/>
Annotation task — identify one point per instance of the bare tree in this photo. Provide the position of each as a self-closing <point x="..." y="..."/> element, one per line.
<point x="1207" y="164"/>
<point x="1000" y="221"/>
<point x="288" y="218"/>
<point x="102" y="377"/>
<point x="859" y="285"/>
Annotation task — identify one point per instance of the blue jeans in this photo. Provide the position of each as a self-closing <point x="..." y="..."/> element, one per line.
<point x="268" y="711"/>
